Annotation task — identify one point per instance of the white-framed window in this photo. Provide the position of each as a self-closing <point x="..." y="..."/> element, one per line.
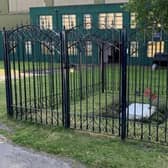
<point x="46" y="22"/>
<point x="134" y="49"/>
<point x="44" y="49"/>
<point x="110" y="20"/>
<point x="155" y="47"/>
<point x="87" y="20"/>
<point x="133" y="23"/>
<point x="47" y="48"/>
<point x="88" y="48"/>
<point x="68" y="21"/>
<point x="12" y="46"/>
<point x="28" y="47"/>
<point x="72" y="49"/>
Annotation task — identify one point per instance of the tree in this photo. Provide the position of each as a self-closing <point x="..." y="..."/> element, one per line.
<point x="150" y="13"/>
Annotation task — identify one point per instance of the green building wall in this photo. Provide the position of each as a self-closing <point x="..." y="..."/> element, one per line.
<point x="11" y="19"/>
<point x="94" y="10"/>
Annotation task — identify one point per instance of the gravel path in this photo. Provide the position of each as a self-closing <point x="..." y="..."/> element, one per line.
<point x="17" y="157"/>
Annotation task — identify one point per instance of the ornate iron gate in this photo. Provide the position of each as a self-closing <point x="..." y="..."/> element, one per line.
<point x="75" y="78"/>
<point x="33" y="80"/>
<point x="83" y="79"/>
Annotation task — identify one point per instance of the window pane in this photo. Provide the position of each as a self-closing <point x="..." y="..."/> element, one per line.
<point x="88" y="48"/>
<point x="102" y="20"/>
<point x="68" y="21"/>
<point x="46" y="22"/>
<point x="155" y="47"/>
<point x="118" y="20"/>
<point x="72" y="49"/>
<point x="28" y="47"/>
<point x="87" y="21"/>
<point x="134" y="49"/>
<point x="110" y="20"/>
<point x="44" y="48"/>
<point x="12" y="45"/>
<point x="133" y="21"/>
<point x="47" y="48"/>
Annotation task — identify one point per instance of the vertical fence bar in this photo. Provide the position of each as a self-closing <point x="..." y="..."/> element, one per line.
<point x="123" y="82"/>
<point x="7" y="75"/>
<point x="102" y="68"/>
<point x="65" y="80"/>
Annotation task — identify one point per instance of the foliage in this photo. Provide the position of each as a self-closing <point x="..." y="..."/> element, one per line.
<point x="150" y="13"/>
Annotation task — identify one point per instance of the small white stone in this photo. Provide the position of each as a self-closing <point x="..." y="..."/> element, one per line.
<point x="154" y="66"/>
<point x="2" y="139"/>
<point x="140" y="111"/>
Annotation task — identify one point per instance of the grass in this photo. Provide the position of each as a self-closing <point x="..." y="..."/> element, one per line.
<point x="93" y="150"/>
<point x="1" y="64"/>
<point x="91" y="102"/>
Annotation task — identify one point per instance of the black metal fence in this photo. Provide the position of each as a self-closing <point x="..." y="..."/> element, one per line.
<point x="87" y="80"/>
<point x="147" y="81"/>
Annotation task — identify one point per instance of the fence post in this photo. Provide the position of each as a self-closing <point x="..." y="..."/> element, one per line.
<point x="102" y="67"/>
<point x="65" y="80"/>
<point x="123" y="82"/>
<point x="7" y="67"/>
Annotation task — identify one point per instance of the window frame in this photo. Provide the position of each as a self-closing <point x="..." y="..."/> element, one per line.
<point x="88" y="48"/>
<point x="109" y="20"/>
<point x="13" y="45"/>
<point x="135" y="53"/>
<point x="28" y="48"/>
<point x="72" y="48"/>
<point x="133" y="23"/>
<point x="69" y="18"/>
<point x="45" y="25"/>
<point x="86" y="25"/>
<point x="156" y="47"/>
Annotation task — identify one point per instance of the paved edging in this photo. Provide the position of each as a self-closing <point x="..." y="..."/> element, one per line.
<point x="12" y="156"/>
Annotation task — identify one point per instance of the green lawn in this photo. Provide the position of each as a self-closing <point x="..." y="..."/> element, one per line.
<point x="93" y="150"/>
<point x="90" y="108"/>
<point x="1" y="65"/>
